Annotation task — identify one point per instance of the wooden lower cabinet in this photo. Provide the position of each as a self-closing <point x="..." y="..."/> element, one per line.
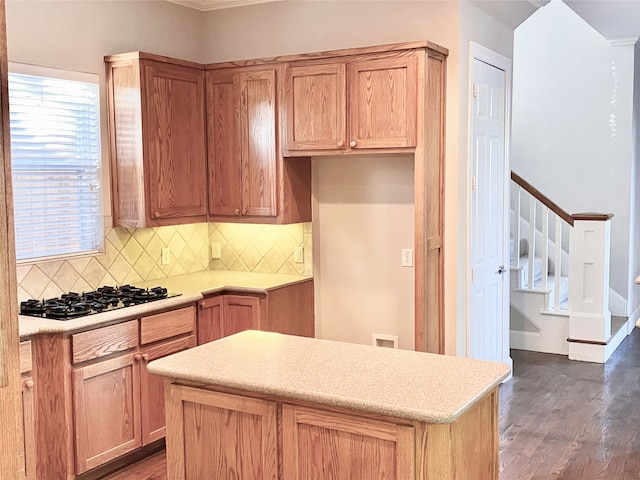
<point x="106" y="409"/>
<point x="220" y="435"/>
<point x="288" y="309"/>
<point x="224" y="433"/>
<point x="318" y="445"/>
<point x="95" y="399"/>
<point x="27" y="434"/>
<point x="152" y="388"/>
<point x="216" y="435"/>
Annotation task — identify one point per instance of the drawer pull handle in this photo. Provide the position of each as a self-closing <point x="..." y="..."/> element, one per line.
<point x="28" y="384"/>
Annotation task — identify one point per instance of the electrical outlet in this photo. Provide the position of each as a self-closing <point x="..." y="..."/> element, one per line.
<point x="166" y="256"/>
<point x="298" y="254"/>
<point x="407" y="257"/>
<point x="215" y="251"/>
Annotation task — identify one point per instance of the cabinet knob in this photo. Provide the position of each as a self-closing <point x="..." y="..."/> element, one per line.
<point x="244" y="211"/>
<point x="28" y="384"/>
<point x="145" y="357"/>
<point x="202" y="304"/>
<point x="353" y="143"/>
<point x="340" y="144"/>
<point x="156" y="214"/>
<point x="236" y="211"/>
<point x="136" y="357"/>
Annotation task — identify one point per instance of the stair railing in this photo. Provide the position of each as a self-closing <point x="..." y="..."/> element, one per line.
<point x="576" y="244"/>
<point x="546" y="231"/>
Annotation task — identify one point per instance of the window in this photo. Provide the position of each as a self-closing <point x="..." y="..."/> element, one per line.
<point x="55" y="160"/>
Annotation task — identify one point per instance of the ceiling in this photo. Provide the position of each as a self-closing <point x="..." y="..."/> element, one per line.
<point x="614" y="19"/>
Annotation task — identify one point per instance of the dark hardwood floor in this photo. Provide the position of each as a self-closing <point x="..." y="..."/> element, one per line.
<point x="559" y="419"/>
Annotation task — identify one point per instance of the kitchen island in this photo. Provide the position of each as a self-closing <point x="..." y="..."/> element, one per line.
<point x="265" y="405"/>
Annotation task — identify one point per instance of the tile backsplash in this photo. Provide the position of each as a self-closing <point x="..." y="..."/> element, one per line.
<point x="133" y="255"/>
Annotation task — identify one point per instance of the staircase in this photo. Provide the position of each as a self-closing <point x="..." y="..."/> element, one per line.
<point x="559" y="278"/>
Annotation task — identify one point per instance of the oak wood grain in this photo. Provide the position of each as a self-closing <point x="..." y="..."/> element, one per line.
<point x="316" y="107"/>
<point x="26" y="358"/>
<point x="106" y="401"/>
<point x="216" y="435"/>
<point x="104" y="341"/>
<point x="9" y="357"/>
<point x="210" y="312"/>
<point x="152" y="387"/>
<point x="290" y="310"/>
<point x="157" y="140"/>
<point x="167" y="324"/>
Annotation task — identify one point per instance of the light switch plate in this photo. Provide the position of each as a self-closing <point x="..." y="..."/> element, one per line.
<point x="298" y="254"/>
<point x="215" y="251"/>
<point x="407" y="257"/>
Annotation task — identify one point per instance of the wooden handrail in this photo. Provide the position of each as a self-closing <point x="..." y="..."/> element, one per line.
<point x="567" y="217"/>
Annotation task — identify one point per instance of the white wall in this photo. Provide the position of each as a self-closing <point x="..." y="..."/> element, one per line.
<point x="572" y="121"/>
<point x="363" y="218"/>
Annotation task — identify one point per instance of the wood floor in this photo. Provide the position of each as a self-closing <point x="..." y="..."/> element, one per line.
<point x="559" y="419"/>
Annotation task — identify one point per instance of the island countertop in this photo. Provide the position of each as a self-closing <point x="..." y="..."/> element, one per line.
<point x="399" y="383"/>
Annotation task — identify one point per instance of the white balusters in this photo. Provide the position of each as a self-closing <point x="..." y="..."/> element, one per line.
<point x="558" y="264"/>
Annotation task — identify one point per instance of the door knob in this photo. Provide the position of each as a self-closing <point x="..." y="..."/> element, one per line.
<point x="353" y="143"/>
<point x="501" y="270"/>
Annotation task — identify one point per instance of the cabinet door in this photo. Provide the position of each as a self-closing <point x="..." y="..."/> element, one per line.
<point x="213" y="435"/>
<point x="174" y="141"/>
<point x="210" y="319"/>
<point x="319" y="445"/>
<point x="106" y="411"/>
<point x="152" y="388"/>
<point x="240" y="313"/>
<point x="383" y="101"/>
<point x="223" y="140"/>
<point x="28" y="437"/>
<point x="316" y="107"/>
<point x="258" y="140"/>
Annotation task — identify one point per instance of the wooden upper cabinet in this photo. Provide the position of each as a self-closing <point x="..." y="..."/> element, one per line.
<point x="249" y="180"/>
<point x="369" y="102"/>
<point x="316" y="107"/>
<point x="157" y="140"/>
<point x="241" y="114"/>
<point x="383" y="102"/>
<point x="258" y="142"/>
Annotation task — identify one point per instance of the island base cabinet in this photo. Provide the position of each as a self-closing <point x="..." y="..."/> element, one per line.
<point x="318" y="445"/>
<point x="212" y="434"/>
<point x="217" y="435"/>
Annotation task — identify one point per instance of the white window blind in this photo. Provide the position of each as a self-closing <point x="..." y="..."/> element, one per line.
<point x="55" y="160"/>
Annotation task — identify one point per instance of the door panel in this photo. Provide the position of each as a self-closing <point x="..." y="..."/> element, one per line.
<point x="152" y="388"/>
<point x="384" y="102"/>
<point x="489" y="287"/>
<point x="225" y="161"/>
<point x="259" y="147"/>
<point x="106" y="411"/>
<point x="316" y="107"/>
<point x="241" y="313"/>
<point x="174" y="140"/>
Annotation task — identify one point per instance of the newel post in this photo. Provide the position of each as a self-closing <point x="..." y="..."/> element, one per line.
<point x="589" y="259"/>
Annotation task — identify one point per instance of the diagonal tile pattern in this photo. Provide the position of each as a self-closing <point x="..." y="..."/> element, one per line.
<point x="133" y="255"/>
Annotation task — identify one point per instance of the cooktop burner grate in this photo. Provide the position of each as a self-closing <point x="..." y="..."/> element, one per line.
<point x="73" y="305"/>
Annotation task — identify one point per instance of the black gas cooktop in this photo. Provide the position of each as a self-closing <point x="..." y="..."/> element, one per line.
<point x="73" y="305"/>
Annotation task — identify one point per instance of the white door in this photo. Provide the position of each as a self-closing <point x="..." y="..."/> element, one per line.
<point x="488" y="328"/>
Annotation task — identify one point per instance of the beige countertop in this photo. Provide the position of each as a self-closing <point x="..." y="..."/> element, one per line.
<point x="191" y="287"/>
<point x="399" y="383"/>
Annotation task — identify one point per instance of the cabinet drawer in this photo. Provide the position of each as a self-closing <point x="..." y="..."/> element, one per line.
<point x="167" y="325"/>
<point x="25" y="356"/>
<point x="104" y="341"/>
